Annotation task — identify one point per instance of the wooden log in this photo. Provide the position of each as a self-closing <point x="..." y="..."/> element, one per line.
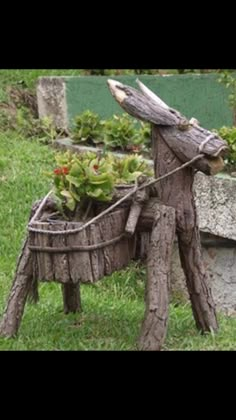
<point x="143" y="242"/>
<point x="22" y="285"/>
<point x="197" y="280"/>
<point x="118" y="255"/>
<point x="79" y="263"/>
<point x="71" y="297"/>
<point x="42" y="262"/>
<point x="20" y="288"/>
<point x="185" y="139"/>
<point x="149" y="210"/>
<point x="96" y="256"/>
<point x="137" y="105"/>
<point x="154" y="327"/>
<point x="132" y="221"/>
<point x="140" y="198"/>
<point x="187" y="144"/>
<point x="59" y="261"/>
<point x="177" y="192"/>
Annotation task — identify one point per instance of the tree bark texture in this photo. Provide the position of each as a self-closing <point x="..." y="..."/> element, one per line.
<point x="51" y="263"/>
<point x="177" y="192"/>
<point x="137" y="105"/>
<point x="18" y="294"/>
<point x="185" y="145"/>
<point x="23" y="285"/>
<point x="140" y="198"/>
<point x="71" y="297"/>
<point x="154" y="327"/>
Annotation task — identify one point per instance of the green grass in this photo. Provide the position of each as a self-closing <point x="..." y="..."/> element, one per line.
<point x="113" y="308"/>
<point x="29" y="77"/>
<point x="11" y="77"/>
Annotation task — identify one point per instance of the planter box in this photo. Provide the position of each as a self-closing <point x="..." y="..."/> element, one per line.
<point x="62" y="258"/>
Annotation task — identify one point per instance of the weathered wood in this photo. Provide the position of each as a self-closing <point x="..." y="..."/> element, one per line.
<point x="185" y="145"/>
<point x="136" y="104"/>
<point x="79" y="264"/>
<point x="197" y="280"/>
<point x="183" y="137"/>
<point x="143" y="242"/>
<point x="177" y="192"/>
<point x="42" y="262"/>
<point x="59" y="261"/>
<point x="18" y="294"/>
<point x="151" y="95"/>
<point x="71" y="298"/>
<point x="147" y="216"/>
<point x="132" y="221"/>
<point x="119" y="255"/>
<point x="22" y="285"/>
<point x="154" y="327"/>
<point x="140" y="198"/>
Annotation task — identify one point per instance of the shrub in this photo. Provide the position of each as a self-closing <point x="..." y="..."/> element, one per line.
<point x="118" y="132"/>
<point x="87" y="128"/>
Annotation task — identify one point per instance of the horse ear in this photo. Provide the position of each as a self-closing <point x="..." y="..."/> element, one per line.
<point x="149" y="94"/>
<point x="194" y="121"/>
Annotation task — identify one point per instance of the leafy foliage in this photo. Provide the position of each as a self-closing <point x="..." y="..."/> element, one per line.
<point x="119" y="132"/>
<point x="18" y="113"/>
<point x="88" y="128"/>
<point x="229" y="134"/>
<point x="128" y="170"/>
<point x="229" y="80"/>
<point x="80" y="179"/>
<point x="42" y="128"/>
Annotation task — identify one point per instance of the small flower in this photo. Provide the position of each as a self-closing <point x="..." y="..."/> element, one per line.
<point x="65" y="170"/>
<point x="57" y="171"/>
<point x="95" y="167"/>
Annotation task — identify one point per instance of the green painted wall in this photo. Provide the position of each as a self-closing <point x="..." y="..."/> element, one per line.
<point x="199" y="96"/>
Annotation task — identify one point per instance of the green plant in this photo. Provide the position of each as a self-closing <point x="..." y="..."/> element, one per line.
<point x="87" y="128"/>
<point x="128" y="170"/>
<point x="6" y="120"/>
<point x="120" y="131"/>
<point x="229" y="134"/>
<point x="26" y="125"/>
<point x="229" y="80"/>
<point x="79" y="180"/>
<point x="145" y="135"/>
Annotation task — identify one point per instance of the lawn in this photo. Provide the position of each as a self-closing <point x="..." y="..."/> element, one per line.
<point x="113" y="308"/>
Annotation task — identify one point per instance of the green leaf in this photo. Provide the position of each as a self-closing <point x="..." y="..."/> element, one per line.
<point x="66" y="193"/>
<point x="75" y="181"/>
<point x="71" y="204"/>
<point x="99" y="194"/>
